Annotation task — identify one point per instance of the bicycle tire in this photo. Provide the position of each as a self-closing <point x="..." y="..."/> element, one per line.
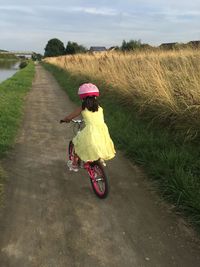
<point x="101" y="176"/>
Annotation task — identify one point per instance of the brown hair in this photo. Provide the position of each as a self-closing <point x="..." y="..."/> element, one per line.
<point x="91" y="103"/>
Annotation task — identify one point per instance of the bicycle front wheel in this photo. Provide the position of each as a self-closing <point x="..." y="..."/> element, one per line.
<point x="99" y="180"/>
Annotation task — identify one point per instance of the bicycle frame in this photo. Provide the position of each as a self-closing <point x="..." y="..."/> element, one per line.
<point x="88" y="168"/>
<point x="94" y="169"/>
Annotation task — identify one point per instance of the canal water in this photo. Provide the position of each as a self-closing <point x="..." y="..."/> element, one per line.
<point x="7" y="69"/>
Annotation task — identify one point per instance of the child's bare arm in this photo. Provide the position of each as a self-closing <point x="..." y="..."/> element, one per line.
<point x="73" y="115"/>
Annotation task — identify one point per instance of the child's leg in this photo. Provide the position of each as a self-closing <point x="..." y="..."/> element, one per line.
<point x="75" y="159"/>
<point x="73" y="164"/>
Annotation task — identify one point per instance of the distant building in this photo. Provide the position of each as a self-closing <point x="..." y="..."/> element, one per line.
<point x="195" y="44"/>
<point x="94" y="49"/>
<point x="167" y="45"/>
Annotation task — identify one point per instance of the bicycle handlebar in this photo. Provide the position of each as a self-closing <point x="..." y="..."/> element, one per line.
<point x="77" y="121"/>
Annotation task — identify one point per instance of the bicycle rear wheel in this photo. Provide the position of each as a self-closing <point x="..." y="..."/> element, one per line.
<point x="99" y="180"/>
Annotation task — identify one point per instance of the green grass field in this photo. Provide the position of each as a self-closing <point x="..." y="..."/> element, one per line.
<point x="12" y="94"/>
<point x="172" y="164"/>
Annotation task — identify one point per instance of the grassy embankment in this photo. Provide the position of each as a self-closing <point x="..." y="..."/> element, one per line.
<point x="7" y="57"/>
<point x="12" y="93"/>
<point x="151" y="103"/>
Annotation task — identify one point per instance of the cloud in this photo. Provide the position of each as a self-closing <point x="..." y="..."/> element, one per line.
<point x="92" y="22"/>
<point x="16" y="8"/>
<point x="103" y="11"/>
<point x="96" y="11"/>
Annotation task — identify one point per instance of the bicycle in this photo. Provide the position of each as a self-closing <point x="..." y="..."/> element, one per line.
<point x="95" y="169"/>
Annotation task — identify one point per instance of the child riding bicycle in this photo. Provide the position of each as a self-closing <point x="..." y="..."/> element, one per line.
<point x="93" y="142"/>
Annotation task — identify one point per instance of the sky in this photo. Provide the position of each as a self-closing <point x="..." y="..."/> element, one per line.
<point x="28" y="25"/>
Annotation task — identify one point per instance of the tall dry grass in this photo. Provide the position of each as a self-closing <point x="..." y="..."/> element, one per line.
<point x="164" y="84"/>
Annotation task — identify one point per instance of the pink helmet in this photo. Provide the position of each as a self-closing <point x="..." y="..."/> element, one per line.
<point x="88" y="89"/>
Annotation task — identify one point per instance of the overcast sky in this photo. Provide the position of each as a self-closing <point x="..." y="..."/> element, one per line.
<point x="28" y="24"/>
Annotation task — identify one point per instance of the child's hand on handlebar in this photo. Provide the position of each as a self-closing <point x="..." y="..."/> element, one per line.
<point x="65" y="120"/>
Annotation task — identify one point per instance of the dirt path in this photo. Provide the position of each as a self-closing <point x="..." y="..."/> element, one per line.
<point x="53" y="219"/>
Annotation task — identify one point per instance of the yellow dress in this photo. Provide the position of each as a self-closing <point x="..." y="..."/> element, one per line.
<point x="94" y="141"/>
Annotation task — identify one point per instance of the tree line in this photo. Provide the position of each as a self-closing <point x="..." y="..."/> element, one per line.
<point x="55" y="47"/>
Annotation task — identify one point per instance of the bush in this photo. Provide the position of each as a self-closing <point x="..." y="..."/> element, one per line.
<point x="23" y="64"/>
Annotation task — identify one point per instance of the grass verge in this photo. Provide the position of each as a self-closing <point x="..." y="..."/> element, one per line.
<point x="12" y="94"/>
<point x="174" y="165"/>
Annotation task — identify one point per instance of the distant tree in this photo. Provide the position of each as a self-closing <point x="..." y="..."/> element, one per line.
<point x="54" y="48"/>
<point x="114" y="48"/>
<point x="36" y="56"/>
<point x="117" y="48"/>
<point x="147" y="47"/>
<point x="131" y="45"/>
<point x="74" y="48"/>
